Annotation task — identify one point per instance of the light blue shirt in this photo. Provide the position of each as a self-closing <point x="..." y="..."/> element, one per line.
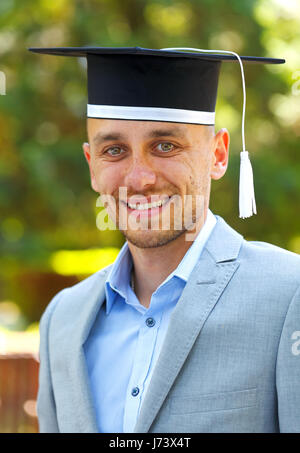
<point x="126" y="338"/>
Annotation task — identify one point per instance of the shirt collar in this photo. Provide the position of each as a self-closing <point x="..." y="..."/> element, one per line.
<point x="118" y="278"/>
<point x="191" y="257"/>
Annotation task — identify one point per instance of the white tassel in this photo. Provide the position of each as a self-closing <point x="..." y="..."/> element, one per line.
<point x="247" y="203"/>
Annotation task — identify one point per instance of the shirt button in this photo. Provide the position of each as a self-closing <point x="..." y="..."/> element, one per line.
<point x="135" y="391"/>
<point x="150" y="322"/>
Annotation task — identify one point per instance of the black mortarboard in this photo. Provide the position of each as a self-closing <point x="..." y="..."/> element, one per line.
<point x="173" y="85"/>
<point x="146" y="84"/>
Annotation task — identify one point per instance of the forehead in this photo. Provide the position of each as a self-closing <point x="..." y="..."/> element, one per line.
<point x="104" y="128"/>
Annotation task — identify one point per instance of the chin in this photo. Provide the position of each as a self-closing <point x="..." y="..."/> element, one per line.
<point x="150" y="239"/>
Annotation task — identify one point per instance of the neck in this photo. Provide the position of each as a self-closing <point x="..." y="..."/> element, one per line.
<point x="153" y="265"/>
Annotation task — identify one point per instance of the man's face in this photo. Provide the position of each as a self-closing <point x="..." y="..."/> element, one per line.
<point x="172" y="163"/>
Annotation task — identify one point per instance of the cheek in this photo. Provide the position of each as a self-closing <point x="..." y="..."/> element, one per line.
<point x="185" y="173"/>
<point x="173" y="170"/>
<point x="108" y="179"/>
<point x="198" y="175"/>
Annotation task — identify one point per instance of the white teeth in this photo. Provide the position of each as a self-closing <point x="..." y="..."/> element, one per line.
<point x="143" y="206"/>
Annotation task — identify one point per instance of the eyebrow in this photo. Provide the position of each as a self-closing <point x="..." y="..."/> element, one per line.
<point x="166" y="132"/>
<point x="101" y="138"/>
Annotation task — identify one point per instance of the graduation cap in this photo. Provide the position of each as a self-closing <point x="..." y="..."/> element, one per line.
<point x="173" y="84"/>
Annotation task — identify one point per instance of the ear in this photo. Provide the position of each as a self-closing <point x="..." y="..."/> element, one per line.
<point x="87" y="154"/>
<point x="220" y="154"/>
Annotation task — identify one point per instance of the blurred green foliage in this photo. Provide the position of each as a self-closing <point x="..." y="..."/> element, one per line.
<point x="46" y="203"/>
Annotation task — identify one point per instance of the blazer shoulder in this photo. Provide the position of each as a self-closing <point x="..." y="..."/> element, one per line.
<point x="69" y="295"/>
<point x="282" y="263"/>
<point x="271" y="250"/>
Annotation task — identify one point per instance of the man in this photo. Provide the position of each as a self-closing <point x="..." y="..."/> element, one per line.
<point x="192" y="329"/>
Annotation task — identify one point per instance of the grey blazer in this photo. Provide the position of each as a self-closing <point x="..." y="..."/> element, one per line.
<point x="230" y="361"/>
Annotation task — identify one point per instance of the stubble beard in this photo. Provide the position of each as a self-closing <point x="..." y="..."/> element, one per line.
<point x="151" y="239"/>
<point x="154" y="238"/>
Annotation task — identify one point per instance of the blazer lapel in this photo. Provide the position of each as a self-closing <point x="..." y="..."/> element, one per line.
<point x="206" y="284"/>
<point x="83" y="409"/>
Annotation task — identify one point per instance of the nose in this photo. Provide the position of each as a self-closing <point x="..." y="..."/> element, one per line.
<point x="140" y="175"/>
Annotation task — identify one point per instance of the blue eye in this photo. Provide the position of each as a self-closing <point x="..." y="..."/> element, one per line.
<point x="165" y="147"/>
<point x="114" y="151"/>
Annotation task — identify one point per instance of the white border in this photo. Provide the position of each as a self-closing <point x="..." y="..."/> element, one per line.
<point x="150" y="114"/>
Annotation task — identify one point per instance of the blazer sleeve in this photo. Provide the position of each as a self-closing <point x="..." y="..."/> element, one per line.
<point x="46" y="409"/>
<point x="288" y="369"/>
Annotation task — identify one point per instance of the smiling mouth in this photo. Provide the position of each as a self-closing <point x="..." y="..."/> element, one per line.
<point x="146" y="206"/>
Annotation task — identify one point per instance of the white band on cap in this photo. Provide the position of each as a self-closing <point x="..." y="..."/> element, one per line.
<point x="150" y="114"/>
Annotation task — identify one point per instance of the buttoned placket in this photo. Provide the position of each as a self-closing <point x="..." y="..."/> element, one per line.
<point x="148" y="331"/>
